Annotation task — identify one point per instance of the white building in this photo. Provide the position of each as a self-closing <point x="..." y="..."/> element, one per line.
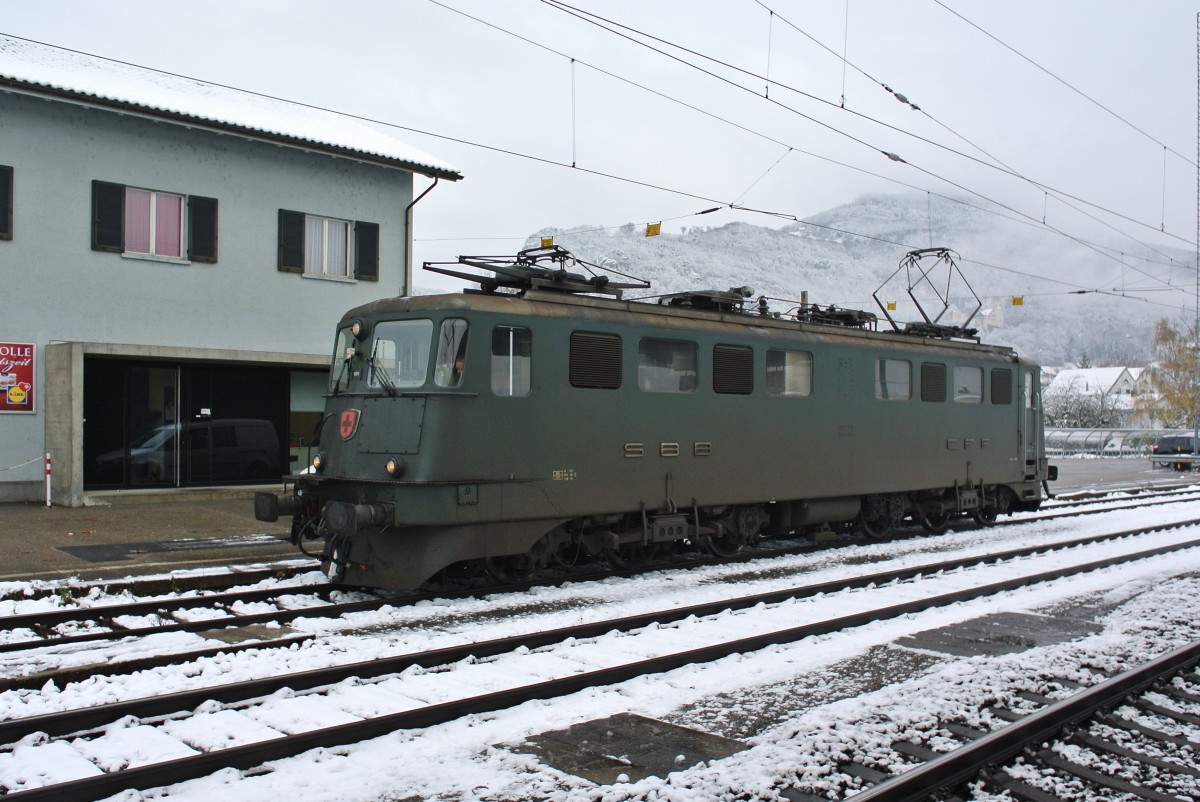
<point x="174" y="257"/>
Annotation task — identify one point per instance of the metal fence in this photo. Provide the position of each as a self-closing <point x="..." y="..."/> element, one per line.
<point x="1105" y="442"/>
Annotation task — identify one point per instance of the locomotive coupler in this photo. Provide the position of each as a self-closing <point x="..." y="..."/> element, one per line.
<point x="269" y="506"/>
<point x="344" y="519"/>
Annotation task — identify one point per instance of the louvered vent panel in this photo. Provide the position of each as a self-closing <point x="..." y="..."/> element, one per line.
<point x="595" y="360"/>
<point x="933" y="382"/>
<point x="733" y="369"/>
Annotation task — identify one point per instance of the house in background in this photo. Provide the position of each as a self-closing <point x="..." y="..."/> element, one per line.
<point x="174" y="256"/>
<point x="1110" y="391"/>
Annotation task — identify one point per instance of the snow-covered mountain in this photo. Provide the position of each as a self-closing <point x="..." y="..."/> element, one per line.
<point x="844" y="255"/>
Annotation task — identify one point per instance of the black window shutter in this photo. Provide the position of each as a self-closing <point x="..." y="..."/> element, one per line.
<point x="108" y="216"/>
<point x="291" y="241"/>
<point x="202" y="229"/>
<point x="366" y="251"/>
<point x="6" y="202"/>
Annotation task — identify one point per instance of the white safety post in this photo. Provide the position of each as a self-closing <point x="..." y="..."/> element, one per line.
<point x="47" y="478"/>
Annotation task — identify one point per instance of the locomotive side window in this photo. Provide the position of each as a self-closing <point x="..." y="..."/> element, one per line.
<point x="400" y="355"/>
<point x="968" y="385"/>
<point x="893" y="379"/>
<point x="512" y="350"/>
<point x="451" y="354"/>
<point x="733" y="369"/>
<point x="343" y="350"/>
<point x="789" y="373"/>
<point x="666" y="366"/>
<point x="933" y="382"/>
<point x="1002" y="391"/>
<point x="595" y="360"/>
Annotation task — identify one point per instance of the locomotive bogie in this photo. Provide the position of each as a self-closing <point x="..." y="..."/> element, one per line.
<point x="522" y="430"/>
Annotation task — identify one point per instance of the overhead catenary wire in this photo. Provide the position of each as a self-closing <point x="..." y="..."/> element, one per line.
<point x="1059" y="195"/>
<point x="603" y="23"/>
<point x="631" y="34"/>
<point x="547" y="161"/>
<point x="746" y="129"/>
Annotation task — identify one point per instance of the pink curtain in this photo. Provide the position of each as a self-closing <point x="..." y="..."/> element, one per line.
<point x="168" y="220"/>
<point x="137" y="221"/>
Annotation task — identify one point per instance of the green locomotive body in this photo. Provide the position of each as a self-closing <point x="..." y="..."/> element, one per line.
<point x="530" y="427"/>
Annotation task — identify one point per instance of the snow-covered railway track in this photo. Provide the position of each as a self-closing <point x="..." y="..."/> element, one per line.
<point x="218" y="616"/>
<point x="1134" y="734"/>
<point x="567" y="657"/>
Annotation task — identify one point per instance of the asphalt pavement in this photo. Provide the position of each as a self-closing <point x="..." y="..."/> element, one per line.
<point x="127" y="534"/>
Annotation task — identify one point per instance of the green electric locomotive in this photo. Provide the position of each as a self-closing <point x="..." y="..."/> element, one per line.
<point x="542" y="417"/>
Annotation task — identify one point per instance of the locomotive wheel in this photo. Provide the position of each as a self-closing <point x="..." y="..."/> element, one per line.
<point x="516" y="569"/>
<point x="933" y="522"/>
<point x="723" y="544"/>
<point x="875" y="527"/>
<point x="567" y="555"/>
<point x="985" y="516"/>
<point x="634" y="555"/>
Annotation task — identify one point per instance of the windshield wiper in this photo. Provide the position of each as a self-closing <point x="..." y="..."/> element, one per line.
<point x="380" y="371"/>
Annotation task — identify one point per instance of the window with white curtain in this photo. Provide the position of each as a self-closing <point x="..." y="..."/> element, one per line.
<point x="326" y="246"/>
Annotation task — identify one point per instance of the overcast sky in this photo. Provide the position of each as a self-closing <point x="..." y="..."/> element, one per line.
<point x="527" y="77"/>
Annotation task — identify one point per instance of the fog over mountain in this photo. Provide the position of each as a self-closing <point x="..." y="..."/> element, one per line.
<point x="843" y="255"/>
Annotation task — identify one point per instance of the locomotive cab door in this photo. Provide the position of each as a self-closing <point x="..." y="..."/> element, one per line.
<point x="1030" y="424"/>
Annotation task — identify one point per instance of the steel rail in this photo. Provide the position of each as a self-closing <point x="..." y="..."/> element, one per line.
<point x="772" y="597"/>
<point x="964" y="763"/>
<point x="107" y="612"/>
<point x="236" y="620"/>
<point x="250" y="755"/>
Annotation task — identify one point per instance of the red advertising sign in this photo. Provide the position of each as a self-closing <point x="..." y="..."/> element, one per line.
<point x="16" y="377"/>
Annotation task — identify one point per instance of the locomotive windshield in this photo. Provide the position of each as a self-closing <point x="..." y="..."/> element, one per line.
<point x="400" y="353"/>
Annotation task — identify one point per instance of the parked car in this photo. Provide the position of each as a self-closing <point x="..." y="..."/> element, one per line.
<point x="1172" y="444"/>
<point x="214" y="450"/>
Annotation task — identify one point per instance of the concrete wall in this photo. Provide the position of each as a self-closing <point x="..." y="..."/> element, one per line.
<point x="54" y="288"/>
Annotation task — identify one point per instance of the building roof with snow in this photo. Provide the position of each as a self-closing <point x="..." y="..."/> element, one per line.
<point x="1093" y="381"/>
<point x="44" y="70"/>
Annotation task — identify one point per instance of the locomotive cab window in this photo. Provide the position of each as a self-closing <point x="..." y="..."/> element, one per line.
<point x="400" y="354"/>
<point x="893" y="379"/>
<point x="451" y="354"/>
<point x="789" y="373"/>
<point x="512" y="350"/>
<point x="666" y="366"/>
<point x="968" y="385"/>
<point x="343" y="352"/>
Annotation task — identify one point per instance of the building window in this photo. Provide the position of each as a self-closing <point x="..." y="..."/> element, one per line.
<point x="789" y="373"/>
<point x="968" y="385"/>
<point x="325" y="246"/>
<point x="893" y="379"/>
<point x="146" y="222"/>
<point x="6" y="202"/>
<point x="512" y="351"/>
<point x="153" y="223"/>
<point x="667" y="366"/>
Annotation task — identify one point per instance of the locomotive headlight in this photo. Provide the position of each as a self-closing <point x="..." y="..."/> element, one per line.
<point x="395" y="466"/>
<point x="359" y="329"/>
<point x="318" y="462"/>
